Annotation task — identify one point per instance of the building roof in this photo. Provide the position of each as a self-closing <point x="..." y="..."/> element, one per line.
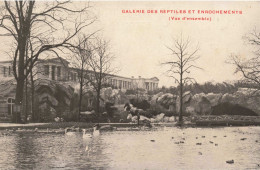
<point x="66" y="63"/>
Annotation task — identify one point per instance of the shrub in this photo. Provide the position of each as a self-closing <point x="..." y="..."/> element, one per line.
<point x="140" y="104"/>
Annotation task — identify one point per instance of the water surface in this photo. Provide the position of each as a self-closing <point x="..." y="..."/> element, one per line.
<point x="160" y="149"/>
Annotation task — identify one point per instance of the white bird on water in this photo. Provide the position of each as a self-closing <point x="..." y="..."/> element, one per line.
<point x="96" y="132"/>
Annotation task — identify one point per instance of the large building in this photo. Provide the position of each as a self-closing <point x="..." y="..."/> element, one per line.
<point x="58" y="69"/>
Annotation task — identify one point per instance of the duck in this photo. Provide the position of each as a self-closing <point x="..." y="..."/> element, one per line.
<point x="86" y="135"/>
<point x="230" y="161"/>
<point x="70" y="131"/>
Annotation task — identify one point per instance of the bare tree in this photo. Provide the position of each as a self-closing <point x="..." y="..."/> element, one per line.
<point x="45" y="25"/>
<point x="80" y="61"/>
<point x="249" y="68"/>
<point x="182" y="60"/>
<point x="100" y="63"/>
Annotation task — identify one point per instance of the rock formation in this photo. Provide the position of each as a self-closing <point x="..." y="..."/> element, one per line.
<point x="204" y="104"/>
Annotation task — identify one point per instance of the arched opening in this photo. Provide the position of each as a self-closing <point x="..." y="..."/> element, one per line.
<point x="231" y="109"/>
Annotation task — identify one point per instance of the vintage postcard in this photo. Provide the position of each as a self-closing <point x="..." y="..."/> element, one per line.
<point x="129" y="85"/>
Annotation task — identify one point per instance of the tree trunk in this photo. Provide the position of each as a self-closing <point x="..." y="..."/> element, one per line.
<point x="26" y="101"/>
<point x="19" y="99"/>
<point x="20" y="77"/>
<point x="32" y="98"/>
<point x="181" y="103"/>
<point x="98" y="101"/>
<point x="80" y="92"/>
<point x="181" y="89"/>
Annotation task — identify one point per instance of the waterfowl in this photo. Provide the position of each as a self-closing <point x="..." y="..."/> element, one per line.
<point x="86" y="135"/>
<point x="96" y="131"/>
<point x="230" y="161"/>
<point x="68" y="131"/>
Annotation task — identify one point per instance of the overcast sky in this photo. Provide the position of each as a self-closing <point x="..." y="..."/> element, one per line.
<point x="138" y="40"/>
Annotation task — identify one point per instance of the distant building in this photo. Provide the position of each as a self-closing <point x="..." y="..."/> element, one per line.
<point x="58" y="69"/>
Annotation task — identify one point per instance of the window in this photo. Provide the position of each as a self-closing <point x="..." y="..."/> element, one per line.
<point x="46" y="70"/>
<point x="120" y="83"/>
<point x="9" y="73"/>
<point x="75" y="76"/>
<point x="53" y="73"/>
<point x="58" y="71"/>
<point x="10" y="103"/>
<point x="4" y="70"/>
<point x="71" y="76"/>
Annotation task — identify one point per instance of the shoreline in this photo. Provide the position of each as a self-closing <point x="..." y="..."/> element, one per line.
<point x="58" y="125"/>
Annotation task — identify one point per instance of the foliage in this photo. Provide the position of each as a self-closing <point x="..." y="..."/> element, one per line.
<point x="140" y="104"/>
<point x="207" y="87"/>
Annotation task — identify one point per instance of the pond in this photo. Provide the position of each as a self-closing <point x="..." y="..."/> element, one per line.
<point x="164" y="148"/>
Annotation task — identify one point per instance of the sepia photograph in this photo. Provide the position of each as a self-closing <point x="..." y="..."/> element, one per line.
<point x="138" y="85"/>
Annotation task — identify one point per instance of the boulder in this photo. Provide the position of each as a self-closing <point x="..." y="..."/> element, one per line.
<point x="205" y="103"/>
<point x="166" y="99"/>
<point x="166" y="119"/>
<point x="187" y="96"/>
<point x="143" y="118"/>
<point x="172" y="119"/>
<point x="153" y="120"/>
<point x="190" y="110"/>
<point x="248" y="98"/>
<point x="155" y="97"/>
<point x="134" y="119"/>
<point x="214" y="99"/>
<point x="200" y="104"/>
<point x="159" y="118"/>
<point x="44" y="97"/>
<point x="129" y="117"/>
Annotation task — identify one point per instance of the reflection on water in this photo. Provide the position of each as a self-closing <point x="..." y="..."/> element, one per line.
<point x="160" y="149"/>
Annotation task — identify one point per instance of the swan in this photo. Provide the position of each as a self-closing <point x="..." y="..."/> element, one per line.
<point x="96" y="131"/>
